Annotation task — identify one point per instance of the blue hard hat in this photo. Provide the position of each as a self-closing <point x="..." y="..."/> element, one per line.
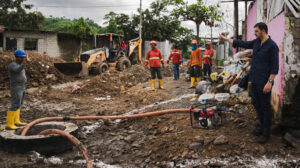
<point x="20" y="53"/>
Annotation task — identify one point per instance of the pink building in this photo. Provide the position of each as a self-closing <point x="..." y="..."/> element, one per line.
<point x="284" y="29"/>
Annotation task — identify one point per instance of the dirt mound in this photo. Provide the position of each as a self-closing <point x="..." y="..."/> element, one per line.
<point x="40" y="70"/>
<point x="168" y="70"/>
<point x="114" y="82"/>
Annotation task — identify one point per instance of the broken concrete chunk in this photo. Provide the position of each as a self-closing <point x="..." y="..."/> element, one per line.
<point x="220" y="140"/>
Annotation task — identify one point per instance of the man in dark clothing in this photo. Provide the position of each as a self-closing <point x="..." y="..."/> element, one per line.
<point x="17" y="88"/>
<point x="264" y="68"/>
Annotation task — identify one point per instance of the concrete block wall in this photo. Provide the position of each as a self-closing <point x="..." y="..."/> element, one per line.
<point x="47" y="41"/>
<point x="291" y="108"/>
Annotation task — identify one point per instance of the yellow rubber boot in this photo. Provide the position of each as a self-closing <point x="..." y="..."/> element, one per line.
<point x="17" y="118"/>
<point x="10" y="120"/>
<point x="153" y="84"/>
<point x="198" y="80"/>
<point x="192" y="82"/>
<point x="160" y="84"/>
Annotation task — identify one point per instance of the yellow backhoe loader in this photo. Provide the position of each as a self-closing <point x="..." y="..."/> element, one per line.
<point x="107" y="53"/>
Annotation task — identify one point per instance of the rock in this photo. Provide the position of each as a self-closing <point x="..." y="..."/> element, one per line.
<point x="35" y="84"/>
<point x="136" y="144"/>
<point x="165" y="130"/>
<point x="238" y="120"/>
<point x="207" y="140"/>
<point x="295" y="142"/>
<point x="82" y="135"/>
<point x="183" y="155"/>
<point x="261" y="150"/>
<point x="130" y="138"/>
<point x="199" y="139"/>
<point x="35" y="157"/>
<point x="196" y="146"/>
<point x="220" y="140"/>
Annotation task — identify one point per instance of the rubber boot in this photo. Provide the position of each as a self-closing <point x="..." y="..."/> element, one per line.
<point x="17" y="118"/>
<point x="192" y="82"/>
<point x="160" y="84"/>
<point x="198" y="80"/>
<point x="10" y="120"/>
<point x="153" y="84"/>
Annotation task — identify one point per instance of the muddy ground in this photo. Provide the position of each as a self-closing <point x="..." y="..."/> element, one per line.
<point x="160" y="141"/>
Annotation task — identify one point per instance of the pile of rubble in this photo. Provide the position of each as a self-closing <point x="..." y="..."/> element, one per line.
<point x="40" y="70"/>
<point x="114" y="82"/>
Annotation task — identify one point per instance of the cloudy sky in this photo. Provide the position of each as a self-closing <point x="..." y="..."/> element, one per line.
<point x="96" y="9"/>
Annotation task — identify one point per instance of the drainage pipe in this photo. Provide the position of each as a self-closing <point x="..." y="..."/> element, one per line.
<point x="25" y="130"/>
<point x="76" y="142"/>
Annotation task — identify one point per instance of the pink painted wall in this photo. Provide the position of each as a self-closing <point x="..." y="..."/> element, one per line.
<point x="277" y="29"/>
<point x="251" y="21"/>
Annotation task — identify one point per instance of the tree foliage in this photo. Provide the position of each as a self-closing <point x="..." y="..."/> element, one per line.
<point x="63" y="24"/>
<point x="196" y="12"/>
<point x="13" y="15"/>
<point x="81" y="29"/>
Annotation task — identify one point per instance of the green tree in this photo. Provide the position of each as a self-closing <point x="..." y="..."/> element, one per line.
<point x="196" y="12"/>
<point x="128" y="26"/>
<point x="13" y="15"/>
<point x="113" y="28"/>
<point x="82" y="30"/>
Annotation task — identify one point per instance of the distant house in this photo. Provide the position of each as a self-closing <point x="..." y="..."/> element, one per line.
<point x="283" y="20"/>
<point x="55" y="44"/>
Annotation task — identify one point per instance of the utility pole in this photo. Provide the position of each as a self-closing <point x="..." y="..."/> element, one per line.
<point x="236" y="19"/>
<point x="140" y="26"/>
<point x="140" y="34"/>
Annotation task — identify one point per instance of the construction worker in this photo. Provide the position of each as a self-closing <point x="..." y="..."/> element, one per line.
<point x="207" y="59"/>
<point x="17" y="89"/>
<point x="175" y="55"/>
<point x="195" y="64"/>
<point x="155" y="59"/>
<point x="123" y="46"/>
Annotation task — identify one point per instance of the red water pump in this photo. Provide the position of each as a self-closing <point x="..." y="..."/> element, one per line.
<point x="206" y="117"/>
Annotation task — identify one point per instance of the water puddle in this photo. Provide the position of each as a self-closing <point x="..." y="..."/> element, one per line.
<point x="66" y="85"/>
<point x="250" y="162"/>
<point x="95" y="164"/>
<point x="91" y="128"/>
<point x="160" y="103"/>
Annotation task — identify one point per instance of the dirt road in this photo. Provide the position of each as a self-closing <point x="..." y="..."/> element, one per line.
<point x="161" y="141"/>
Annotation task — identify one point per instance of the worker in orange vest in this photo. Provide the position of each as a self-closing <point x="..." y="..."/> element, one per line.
<point x="195" y="64"/>
<point x="207" y="60"/>
<point x="155" y="60"/>
<point x="175" y="55"/>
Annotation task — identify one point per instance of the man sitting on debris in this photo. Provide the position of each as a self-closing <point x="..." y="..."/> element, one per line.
<point x="175" y="55"/>
<point x="155" y="59"/>
<point x="207" y="60"/>
<point x="264" y="68"/>
<point x="17" y="89"/>
<point x="195" y="64"/>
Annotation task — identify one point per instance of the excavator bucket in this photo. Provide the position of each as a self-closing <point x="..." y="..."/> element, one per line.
<point x="72" y="68"/>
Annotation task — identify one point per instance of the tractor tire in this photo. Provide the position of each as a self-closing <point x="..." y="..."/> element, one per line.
<point x="101" y="67"/>
<point x="123" y="63"/>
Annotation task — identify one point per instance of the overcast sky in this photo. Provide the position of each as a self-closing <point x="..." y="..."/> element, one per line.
<point x="96" y="9"/>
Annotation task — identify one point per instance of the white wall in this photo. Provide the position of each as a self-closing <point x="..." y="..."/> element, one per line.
<point x="47" y="41"/>
<point x="163" y="46"/>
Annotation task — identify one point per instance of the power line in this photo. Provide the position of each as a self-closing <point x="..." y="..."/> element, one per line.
<point x="108" y="6"/>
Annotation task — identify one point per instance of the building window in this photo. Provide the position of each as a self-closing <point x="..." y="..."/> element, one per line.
<point x="30" y="44"/>
<point x="11" y="44"/>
